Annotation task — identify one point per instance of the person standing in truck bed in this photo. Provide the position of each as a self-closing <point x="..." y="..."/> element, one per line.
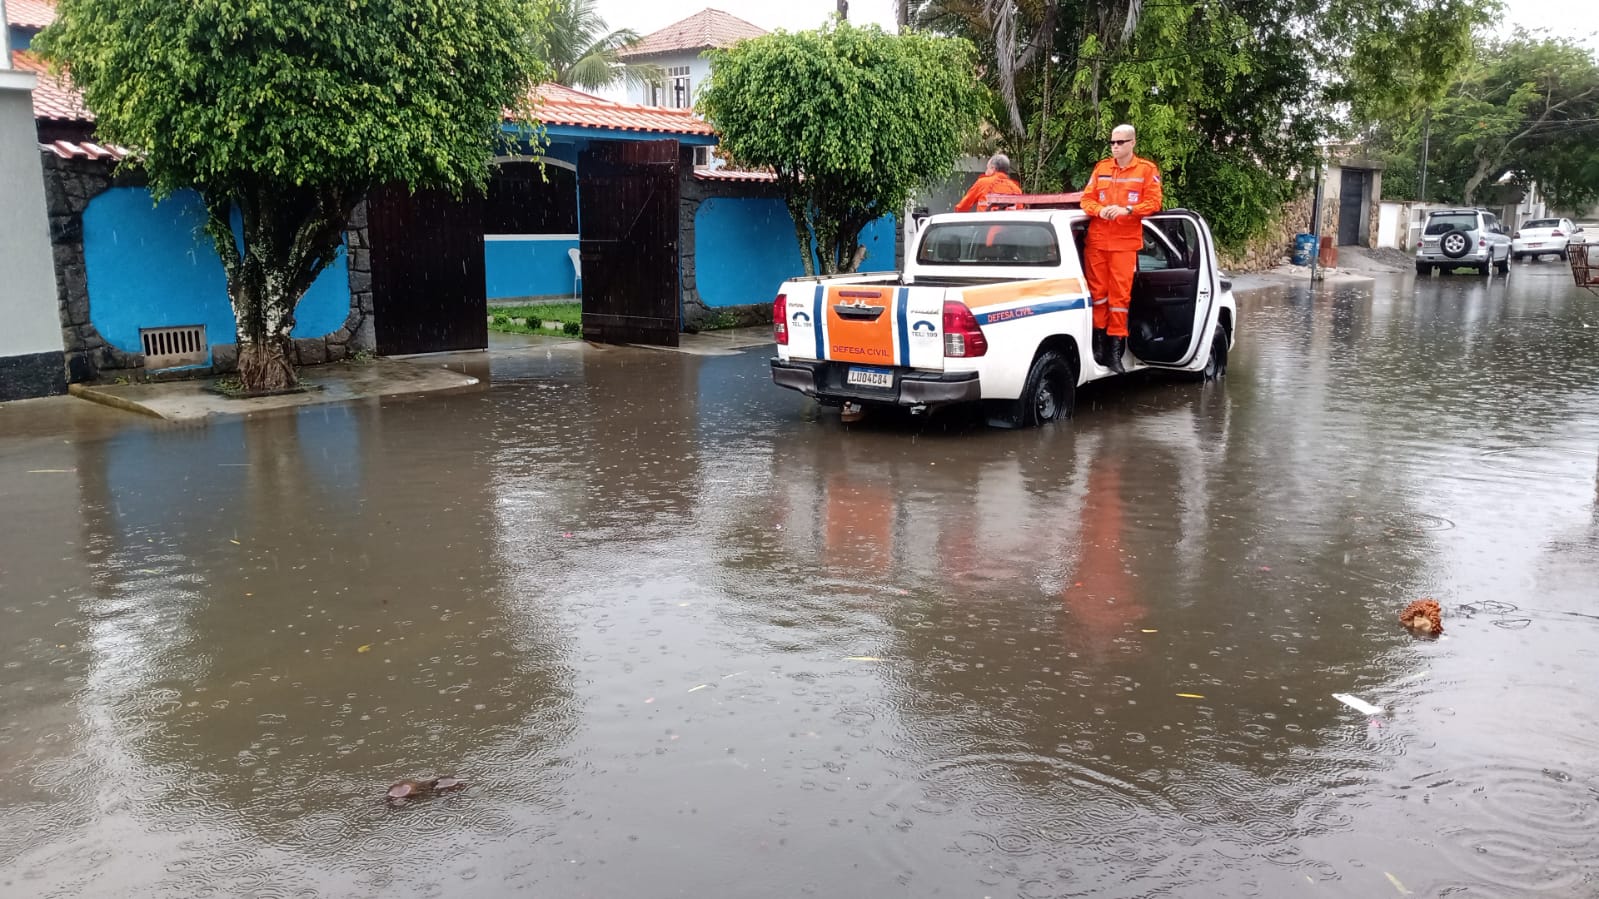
<point x="996" y="179"/>
<point x="1122" y="190"/>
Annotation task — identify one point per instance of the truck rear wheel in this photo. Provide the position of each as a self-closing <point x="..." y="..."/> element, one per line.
<point x="1049" y="394"/>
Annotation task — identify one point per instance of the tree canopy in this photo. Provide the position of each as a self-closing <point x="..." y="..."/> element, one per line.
<point x="1526" y="107"/>
<point x="851" y="120"/>
<point x="285" y="114"/>
<point x="1229" y="99"/>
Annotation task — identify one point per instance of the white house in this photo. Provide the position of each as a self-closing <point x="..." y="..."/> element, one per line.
<point x="678" y="49"/>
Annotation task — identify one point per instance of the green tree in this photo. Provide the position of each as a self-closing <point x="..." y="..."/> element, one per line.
<point x="1229" y="99"/>
<point x="284" y="115"/>
<point x="1527" y="107"/>
<point x="851" y="120"/>
<point x="584" y="55"/>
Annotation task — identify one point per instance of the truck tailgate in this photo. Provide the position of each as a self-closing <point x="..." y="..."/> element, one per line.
<point x="884" y="326"/>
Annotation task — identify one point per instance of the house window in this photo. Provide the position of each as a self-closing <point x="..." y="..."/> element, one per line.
<point x="703" y="156"/>
<point x="676" y="89"/>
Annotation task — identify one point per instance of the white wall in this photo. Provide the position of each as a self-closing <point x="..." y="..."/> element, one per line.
<point x="28" y="287"/>
<point x="698" y="70"/>
<point x="1389" y="217"/>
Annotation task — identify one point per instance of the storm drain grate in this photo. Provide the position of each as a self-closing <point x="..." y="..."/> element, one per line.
<point x="173" y="347"/>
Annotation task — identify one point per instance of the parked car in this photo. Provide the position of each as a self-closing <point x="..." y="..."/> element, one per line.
<point x="1540" y="237"/>
<point x="1456" y="238"/>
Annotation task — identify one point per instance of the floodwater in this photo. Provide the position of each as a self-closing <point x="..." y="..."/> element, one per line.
<point x="686" y="635"/>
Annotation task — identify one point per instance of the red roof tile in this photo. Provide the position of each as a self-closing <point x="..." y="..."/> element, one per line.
<point x="30" y="13"/>
<point x="705" y="29"/>
<point x="560" y="105"/>
<point x="727" y="175"/>
<point x="85" y="150"/>
<point x="53" y="98"/>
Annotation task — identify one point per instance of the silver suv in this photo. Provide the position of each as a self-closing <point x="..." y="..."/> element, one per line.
<point x="1455" y="238"/>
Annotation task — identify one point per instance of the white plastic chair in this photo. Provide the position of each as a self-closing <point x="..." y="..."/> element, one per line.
<point x="577" y="269"/>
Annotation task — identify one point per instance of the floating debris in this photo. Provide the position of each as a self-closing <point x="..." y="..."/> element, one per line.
<point x="1358" y="704"/>
<point x="1191" y="695"/>
<point x="1424" y="617"/>
<point x="417" y="788"/>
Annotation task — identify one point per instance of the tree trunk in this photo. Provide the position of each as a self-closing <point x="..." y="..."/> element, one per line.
<point x="802" y="233"/>
<point x="263" y="335"/>
<point x="287" y="236"/>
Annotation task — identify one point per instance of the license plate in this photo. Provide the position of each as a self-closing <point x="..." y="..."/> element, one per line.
<point x="870" y="377"/>
<point x="1535" y="244"/>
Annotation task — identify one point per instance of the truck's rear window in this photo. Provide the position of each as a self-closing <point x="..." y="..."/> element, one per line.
<point x="989" y="243"/>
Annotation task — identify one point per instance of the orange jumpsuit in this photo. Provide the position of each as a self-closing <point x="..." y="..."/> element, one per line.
<point x="1111" y="256"/>
<point x="997" y="183"/>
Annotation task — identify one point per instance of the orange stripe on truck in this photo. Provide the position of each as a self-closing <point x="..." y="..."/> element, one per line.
<point x="859" y="340"/>
<point x="993" y="295"/>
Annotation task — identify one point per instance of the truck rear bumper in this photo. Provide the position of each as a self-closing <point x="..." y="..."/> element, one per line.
<point x="825" y="381"/>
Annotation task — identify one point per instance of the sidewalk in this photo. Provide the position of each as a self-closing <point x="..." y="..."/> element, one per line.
<point x="390" y="376"/>
<point x="336" y="382"/>
<point x="1357" y="265"/>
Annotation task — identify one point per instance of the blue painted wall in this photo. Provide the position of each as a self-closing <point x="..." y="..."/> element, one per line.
<point x="528" y="268"/>
<point x="744" y="248"/>
<point x="152" y="266"/>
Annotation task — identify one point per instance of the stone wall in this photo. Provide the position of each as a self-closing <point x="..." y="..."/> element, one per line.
<point x="1275" y="246"/>
<point x="71" y="184"/>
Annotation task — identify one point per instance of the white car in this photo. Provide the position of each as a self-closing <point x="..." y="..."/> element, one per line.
<point x="1539" y="237"/>
<point x="992" y="308"/>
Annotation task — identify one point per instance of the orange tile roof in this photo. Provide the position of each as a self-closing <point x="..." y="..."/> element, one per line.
<point x="705" y="29"/>
<point x="702" y="174"/>
<point x="53" y="98"/>
<point x="85" y="150"/>
<point x="30" y="13"/>
<point x="560" y="105"/>
<point x="56" y="99"/>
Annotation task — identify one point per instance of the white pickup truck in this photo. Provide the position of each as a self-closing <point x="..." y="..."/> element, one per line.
<point x="993" y="307"/>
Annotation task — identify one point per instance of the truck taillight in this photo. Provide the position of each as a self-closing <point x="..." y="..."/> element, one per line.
<point x="780" y="320"/>
<point x="1555" y="233"/>
<point x="962" y="337"/>
<point x="1516" y="236"/>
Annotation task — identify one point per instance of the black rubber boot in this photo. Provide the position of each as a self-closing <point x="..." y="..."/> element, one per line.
<point x="1114" y="347"/>
<point x="1099" y="345"/>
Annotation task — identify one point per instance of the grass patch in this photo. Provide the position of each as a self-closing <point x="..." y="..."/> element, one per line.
<point x="231" y="387"/>
<point x="531" y="319"/>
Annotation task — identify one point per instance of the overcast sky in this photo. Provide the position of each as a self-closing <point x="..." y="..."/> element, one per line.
<point x="1559" y="16"/>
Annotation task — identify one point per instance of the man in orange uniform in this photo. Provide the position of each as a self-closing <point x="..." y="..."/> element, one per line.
<point x="1121" y="191"/>
<point x="996" y="179"/>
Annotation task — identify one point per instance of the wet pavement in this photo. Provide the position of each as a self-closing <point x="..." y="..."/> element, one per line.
<point x="684" y="634"/>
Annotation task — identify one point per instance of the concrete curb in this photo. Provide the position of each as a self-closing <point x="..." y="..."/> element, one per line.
<point x="93" y="395"/>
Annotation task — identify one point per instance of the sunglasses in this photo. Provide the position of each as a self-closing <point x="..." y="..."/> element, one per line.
<point x="1117" y="143"/>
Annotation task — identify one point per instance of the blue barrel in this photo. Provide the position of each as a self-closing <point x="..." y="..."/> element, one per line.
<point x="1304" y="248"/>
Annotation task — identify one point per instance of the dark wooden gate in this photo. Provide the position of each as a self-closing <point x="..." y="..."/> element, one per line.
<point x="627" y="195"/>
<point x="1351" y="199"/>
<point x="428" y="288"/>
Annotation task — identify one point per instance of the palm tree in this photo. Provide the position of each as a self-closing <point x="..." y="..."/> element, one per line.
<point x="584" y="55"/>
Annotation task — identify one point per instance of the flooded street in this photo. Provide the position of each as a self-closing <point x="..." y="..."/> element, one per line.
<point x="684" y="634"/>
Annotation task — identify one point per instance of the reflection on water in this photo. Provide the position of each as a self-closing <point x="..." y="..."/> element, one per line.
<point x="681" y="631"/>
